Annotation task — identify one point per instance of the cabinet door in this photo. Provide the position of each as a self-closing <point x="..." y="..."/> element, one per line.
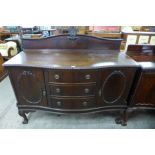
<point x="29" y="86"/>
<point x="115" y="86"/>
<point x="145" y="92"/>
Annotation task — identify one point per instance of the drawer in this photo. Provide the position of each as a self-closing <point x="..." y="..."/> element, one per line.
<point x="73" y="90"/>
<point x="72" y="76"/>
<point x="72" y="103"/>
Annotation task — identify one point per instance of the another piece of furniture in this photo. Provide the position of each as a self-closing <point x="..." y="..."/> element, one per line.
<point x="143" y="94"/>
<point x="4" y="35"/>
<point x="8" y="49"/>
<point x="50" y="31"/>
<point x="71" y="74"/>
<point x="133" y="38"/>
<point x="138" y="35"/>
<point x="3" y="72"/>
<point x="17" y="40"/>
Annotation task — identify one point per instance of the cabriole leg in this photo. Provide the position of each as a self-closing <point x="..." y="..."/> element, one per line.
<point x="118" y="120"/>
<point x="122" y="119"/>
<point x="23" y="114"/>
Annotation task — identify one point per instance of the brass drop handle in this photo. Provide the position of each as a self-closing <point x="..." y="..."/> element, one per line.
<point x="100" y="92"/>
<point x="87" y="76"/>
<point x="56" y="76"/>
<point x="58" y="103"/>
<point x="85" y="103"/>
<point x="58" y="90"/>
<point x="86" y="90"/>
<point x="44" y="92"/>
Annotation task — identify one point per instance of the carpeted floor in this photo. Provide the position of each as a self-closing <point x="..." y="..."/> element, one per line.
<point x="9" y="117"/>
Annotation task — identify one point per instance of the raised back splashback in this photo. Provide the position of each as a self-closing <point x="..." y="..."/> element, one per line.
<point x="72" y="42"/>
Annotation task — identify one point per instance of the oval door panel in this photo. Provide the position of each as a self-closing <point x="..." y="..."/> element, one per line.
<point x="113" y="87"/>
<point x="30" y="90"/>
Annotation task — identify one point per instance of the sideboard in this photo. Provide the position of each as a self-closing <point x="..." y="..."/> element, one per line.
<point x="74" y="74"/>
<point x="143" y="91"/>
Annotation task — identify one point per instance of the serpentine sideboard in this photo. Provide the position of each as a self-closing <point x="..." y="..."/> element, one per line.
<point x="77" y="74"/>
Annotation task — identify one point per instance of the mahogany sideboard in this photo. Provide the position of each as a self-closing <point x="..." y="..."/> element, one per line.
<point x="72" y="74"/>
<point x="143" y="94"/>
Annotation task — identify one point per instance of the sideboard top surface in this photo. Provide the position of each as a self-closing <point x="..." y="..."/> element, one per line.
<point x="61" y="59"/>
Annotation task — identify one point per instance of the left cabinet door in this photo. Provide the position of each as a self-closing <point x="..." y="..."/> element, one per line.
<point x="29" y="86"/>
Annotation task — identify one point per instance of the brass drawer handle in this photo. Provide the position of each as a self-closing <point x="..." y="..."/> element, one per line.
<point x="57" y="76"/>
<point x="58" y="90"/>
<point x="87" y="76"/>
<point x="58" y="103"/>
<point x="85" y="103"/>
<point x="86" y="90"/>
<point x="44" y="93"/>
<point x="100" y="93"/>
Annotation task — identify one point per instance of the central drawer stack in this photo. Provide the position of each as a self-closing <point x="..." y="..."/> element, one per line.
<point x="72" y="89"/>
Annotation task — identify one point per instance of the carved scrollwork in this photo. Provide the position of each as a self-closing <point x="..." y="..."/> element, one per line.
<point x="114" y="84"/>
<point x="72" y="33"/>
<point x="27" y="73"/>
<point x="26" y="93"/>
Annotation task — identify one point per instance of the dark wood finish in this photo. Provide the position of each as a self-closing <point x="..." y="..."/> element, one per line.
<point x="72" y="89"/>
<point x="72" y="76"/>
<point x="72" y="103"/>
<point x="143" y="93"/>
<point x="67" y="42"/>
<point x="29" y="85"/>
<point x="91" y="76"/>
<point x="71" y="59"/>
<point x="142" y="53"/>
<point x="116" y="84"/>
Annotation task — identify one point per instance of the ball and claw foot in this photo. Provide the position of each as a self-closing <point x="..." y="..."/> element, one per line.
<point x="118" y="120"/>
<point x="25" y="121"/>
<point x="123" y="123"/>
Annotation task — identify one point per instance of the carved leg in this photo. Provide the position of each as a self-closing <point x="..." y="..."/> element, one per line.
<point x="118" y="120"/>
<point x="124" y="118"/>
<point x="22" y="114"/>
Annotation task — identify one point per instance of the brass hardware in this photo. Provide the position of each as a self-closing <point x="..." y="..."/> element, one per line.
<point x="87" y="76"/>
<point x="58" y="103"/>
<point x="85" y="103"/>
<point x="58" y="90"/>
<point x="44" y="93"/>
<point x="57" y="76"/>
<point x="100" y="92"/>
<point x="86" y="90"/>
